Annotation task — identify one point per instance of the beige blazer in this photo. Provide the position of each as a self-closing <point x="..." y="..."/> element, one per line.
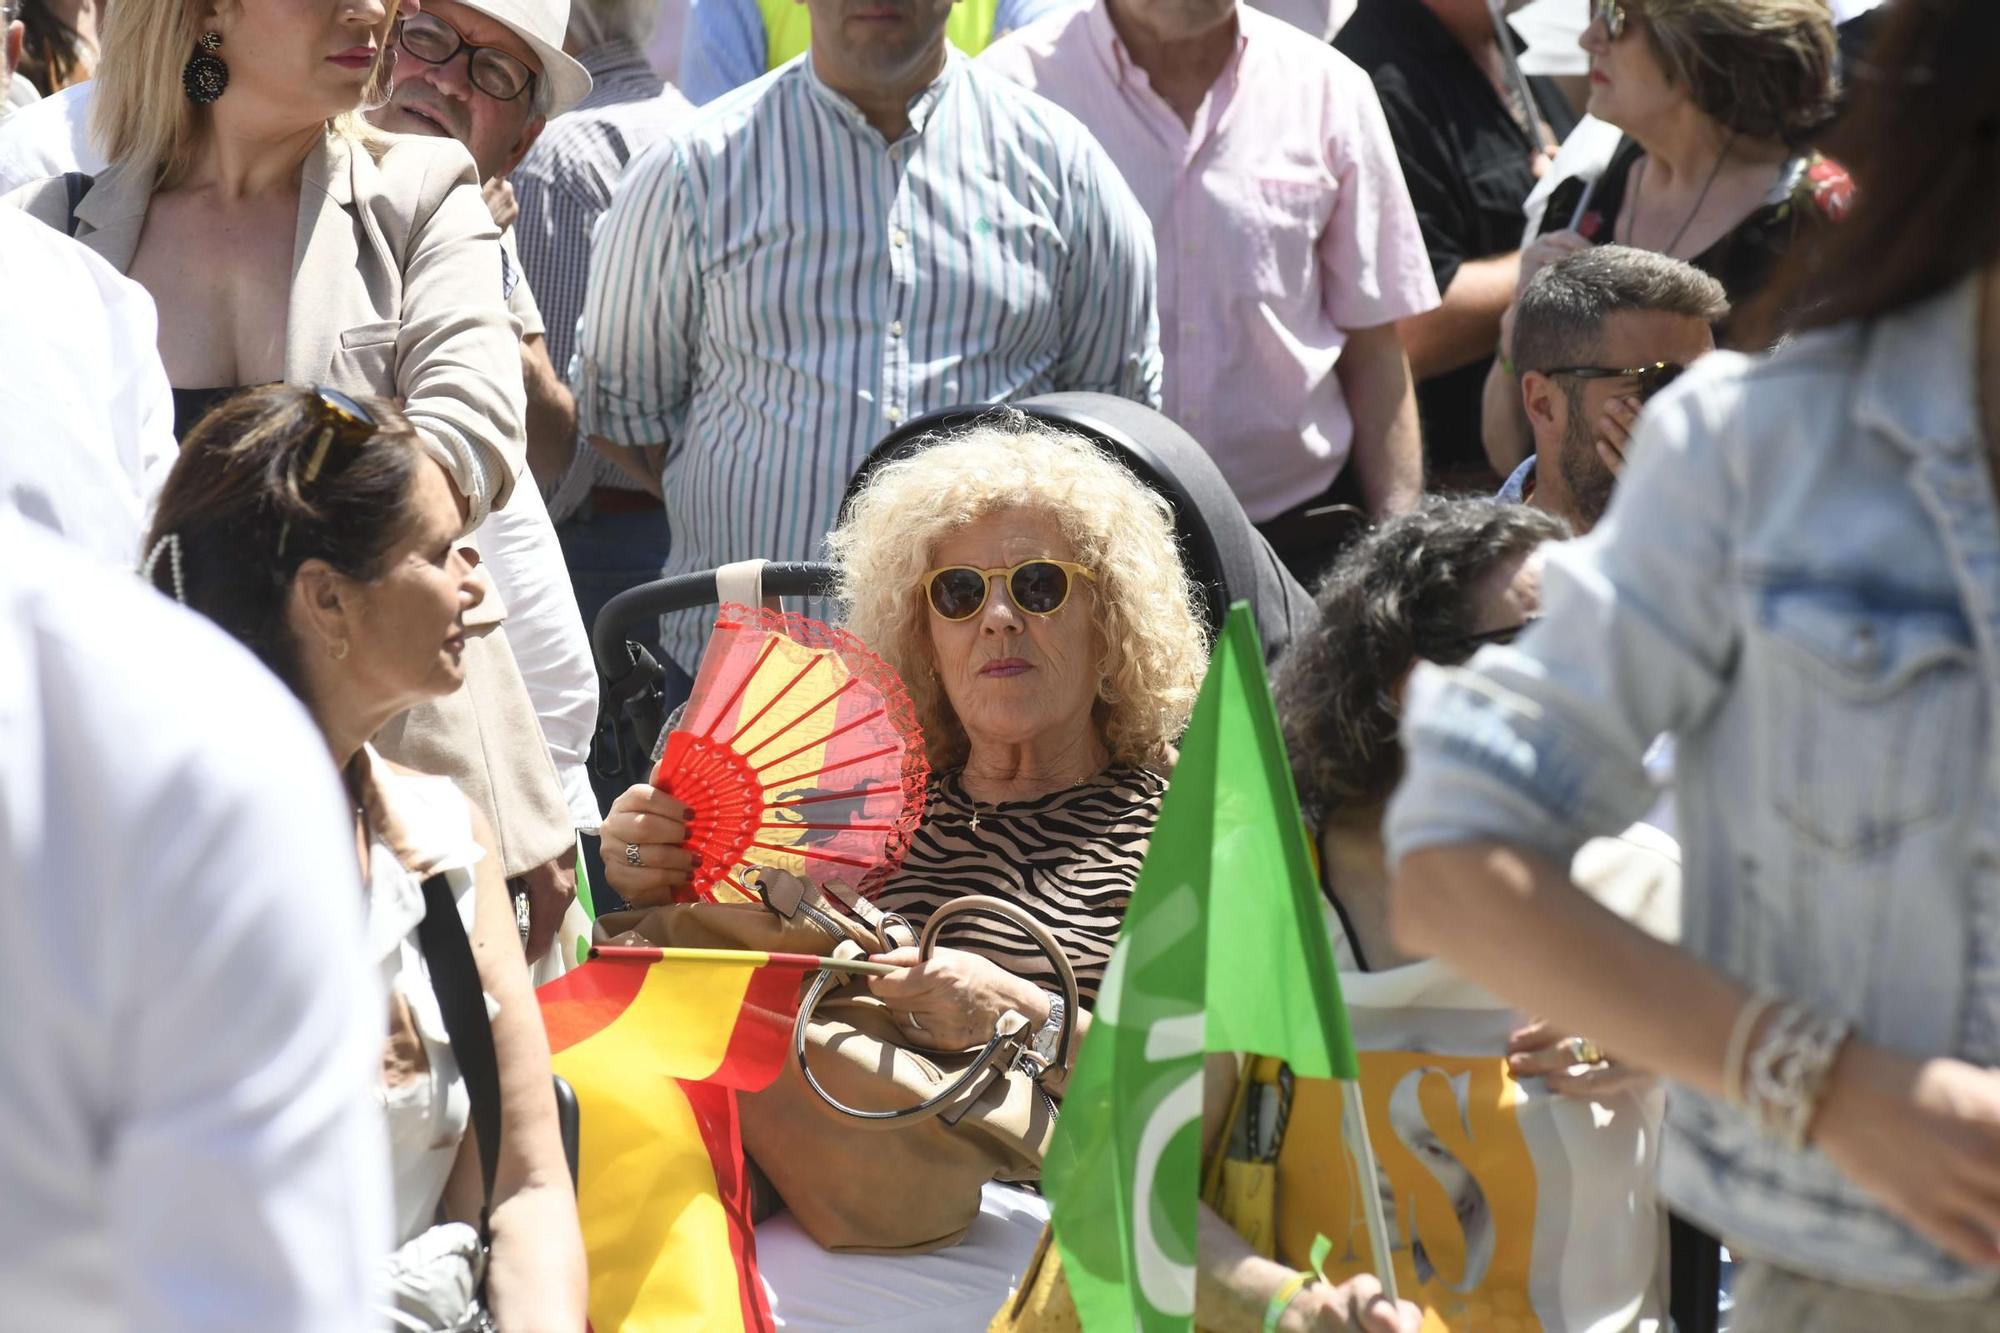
<point x="396" y="292"/>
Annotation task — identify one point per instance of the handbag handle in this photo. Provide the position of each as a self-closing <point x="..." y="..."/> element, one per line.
<point x="462" y="1003"/>
<point x="982" y="1067"/>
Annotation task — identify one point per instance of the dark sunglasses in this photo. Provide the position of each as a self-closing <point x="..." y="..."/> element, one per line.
<point x="1651" y="379"/>
<point x="340" y="420"/>
<point x="1453" y="651"/>
<point x="1612" y="15"/>
<point x="1040" y="586"/>
<point x="492" y="71"/>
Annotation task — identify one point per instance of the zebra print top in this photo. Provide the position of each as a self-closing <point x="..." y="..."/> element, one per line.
<point x="1069" y="859"/>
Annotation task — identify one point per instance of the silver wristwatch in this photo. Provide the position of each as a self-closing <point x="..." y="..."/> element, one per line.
<point x="1049" y="1035"/>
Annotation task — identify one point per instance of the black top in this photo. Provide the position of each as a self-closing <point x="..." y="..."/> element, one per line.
<point x="1814" y="192"/>
<point x="1469" y="165"/>
<point x="191" y="405"/>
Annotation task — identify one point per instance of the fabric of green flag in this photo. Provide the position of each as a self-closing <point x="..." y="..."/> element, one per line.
<point x="1223" y="949"/>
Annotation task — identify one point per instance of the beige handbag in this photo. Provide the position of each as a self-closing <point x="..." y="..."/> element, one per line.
<point x="878" y="1146"/>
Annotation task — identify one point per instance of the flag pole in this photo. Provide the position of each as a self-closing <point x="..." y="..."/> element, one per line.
<point x="1363" y="1153"/>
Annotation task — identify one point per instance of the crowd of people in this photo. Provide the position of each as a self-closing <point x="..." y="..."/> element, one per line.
<point x="1627" y="440"/>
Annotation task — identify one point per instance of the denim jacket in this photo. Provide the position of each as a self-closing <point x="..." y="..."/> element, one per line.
<point x="1799" y="578"/>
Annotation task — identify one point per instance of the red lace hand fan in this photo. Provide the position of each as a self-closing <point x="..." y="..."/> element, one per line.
<point x="798" y="751"/>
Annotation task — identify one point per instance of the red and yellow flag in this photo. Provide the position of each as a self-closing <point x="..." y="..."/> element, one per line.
<point x="656" y="1043"/>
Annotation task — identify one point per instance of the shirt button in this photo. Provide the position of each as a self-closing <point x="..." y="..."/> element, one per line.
<point x="895" y="328"/>
<point x="897" y="236"/>
<point x="894" y="414"/>
<point x="1190" y="330"/>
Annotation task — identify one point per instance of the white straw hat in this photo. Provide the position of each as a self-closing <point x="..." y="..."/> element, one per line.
<point x="541" y="24"/>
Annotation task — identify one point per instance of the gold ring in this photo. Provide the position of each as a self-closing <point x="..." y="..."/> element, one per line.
<point x="1583" y="1051"/>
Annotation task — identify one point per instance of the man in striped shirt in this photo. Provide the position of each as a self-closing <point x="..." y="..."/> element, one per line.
<point x="875" y="231"/>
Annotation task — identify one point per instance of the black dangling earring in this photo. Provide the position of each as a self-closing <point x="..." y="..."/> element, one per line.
<point x="205" y="76"/>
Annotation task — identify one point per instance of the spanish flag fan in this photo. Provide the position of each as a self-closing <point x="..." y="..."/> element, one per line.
<point x="798" y="751"/>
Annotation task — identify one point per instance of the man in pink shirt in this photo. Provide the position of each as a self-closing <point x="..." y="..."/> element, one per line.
<point x="1287" y="245"/>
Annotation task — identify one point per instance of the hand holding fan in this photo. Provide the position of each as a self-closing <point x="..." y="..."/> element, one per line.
<point x="798" y="751"/>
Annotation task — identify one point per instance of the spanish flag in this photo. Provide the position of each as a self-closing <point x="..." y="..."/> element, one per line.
<point x="656" y="1043"/>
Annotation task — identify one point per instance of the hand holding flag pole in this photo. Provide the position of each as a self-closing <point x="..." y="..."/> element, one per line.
<point x="1224" y="949"/>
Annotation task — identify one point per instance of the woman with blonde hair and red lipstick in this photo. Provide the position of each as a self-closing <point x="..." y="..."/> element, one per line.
<point x="283" y="240"/>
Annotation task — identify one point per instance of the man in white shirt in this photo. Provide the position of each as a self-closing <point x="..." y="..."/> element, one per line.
<point x="189" y="1136"/>
<point x="86" y="419"/>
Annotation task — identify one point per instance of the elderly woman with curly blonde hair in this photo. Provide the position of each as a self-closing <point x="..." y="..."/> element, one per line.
<point x="1028" y="589"/>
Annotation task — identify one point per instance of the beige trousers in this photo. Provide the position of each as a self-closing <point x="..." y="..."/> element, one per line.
<point x="1773" y="1300"/>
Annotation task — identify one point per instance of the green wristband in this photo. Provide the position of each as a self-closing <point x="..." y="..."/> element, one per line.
<point x="1286" y="1294"/>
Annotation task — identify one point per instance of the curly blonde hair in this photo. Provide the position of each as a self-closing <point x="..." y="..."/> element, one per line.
<point x="1155" y="646"/>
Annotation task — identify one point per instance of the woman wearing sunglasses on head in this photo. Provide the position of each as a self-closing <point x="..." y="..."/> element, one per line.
<point x="320" y="532"/>
<point x="1717" y="101"/>
<point x="285" y="241"/>
<point x="1802" y="586"/>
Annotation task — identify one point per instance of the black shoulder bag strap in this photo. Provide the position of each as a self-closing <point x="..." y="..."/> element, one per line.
<point x="462" y="1002"/>
<point x="76" y="184"/>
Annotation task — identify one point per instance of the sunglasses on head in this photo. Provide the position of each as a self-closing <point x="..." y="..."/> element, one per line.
<point x="1611" y="13"/>
<point x="492" y="71"/>
<point x="1040" y="586"/>
<point x="340" y="420"/>
<point x="1651" y="379"/>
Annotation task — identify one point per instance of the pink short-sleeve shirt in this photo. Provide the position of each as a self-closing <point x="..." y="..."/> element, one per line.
<point x="1281" y="221"/>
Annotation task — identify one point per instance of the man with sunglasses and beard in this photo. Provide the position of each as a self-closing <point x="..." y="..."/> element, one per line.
<point x="489" y="73"/>
<point x="1596" y="334"/>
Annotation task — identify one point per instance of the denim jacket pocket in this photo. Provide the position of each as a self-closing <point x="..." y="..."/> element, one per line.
<point x="1866" y="697"/>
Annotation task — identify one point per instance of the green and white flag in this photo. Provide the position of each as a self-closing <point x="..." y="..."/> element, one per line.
<point x="1223" y="949"/>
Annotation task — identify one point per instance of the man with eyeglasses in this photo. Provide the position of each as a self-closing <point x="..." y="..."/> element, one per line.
<point x="1596" y="334"/>
<point x="490" y="73"/>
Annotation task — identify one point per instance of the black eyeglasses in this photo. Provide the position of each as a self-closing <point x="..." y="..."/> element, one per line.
<point x="1611" y="14"/>
<point x="430" y="39"/>
<point x="1451" y="652"/>
<point x="1040" y="587"/>
<point x="341" y="420"/>
<point x="1651" y="379"/>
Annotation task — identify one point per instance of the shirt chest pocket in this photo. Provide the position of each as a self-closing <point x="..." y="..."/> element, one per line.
<point x="1279" y="222"/>
<point x="1873" y="716"/>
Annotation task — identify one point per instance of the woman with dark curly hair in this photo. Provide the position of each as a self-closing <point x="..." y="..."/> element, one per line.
<point x="1511" y="1153"/>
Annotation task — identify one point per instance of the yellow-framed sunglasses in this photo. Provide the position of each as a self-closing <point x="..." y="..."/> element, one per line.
<point x="1040" y="586"/>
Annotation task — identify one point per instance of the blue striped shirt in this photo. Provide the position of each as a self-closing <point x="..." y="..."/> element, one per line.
<point x="775" y="288"/>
